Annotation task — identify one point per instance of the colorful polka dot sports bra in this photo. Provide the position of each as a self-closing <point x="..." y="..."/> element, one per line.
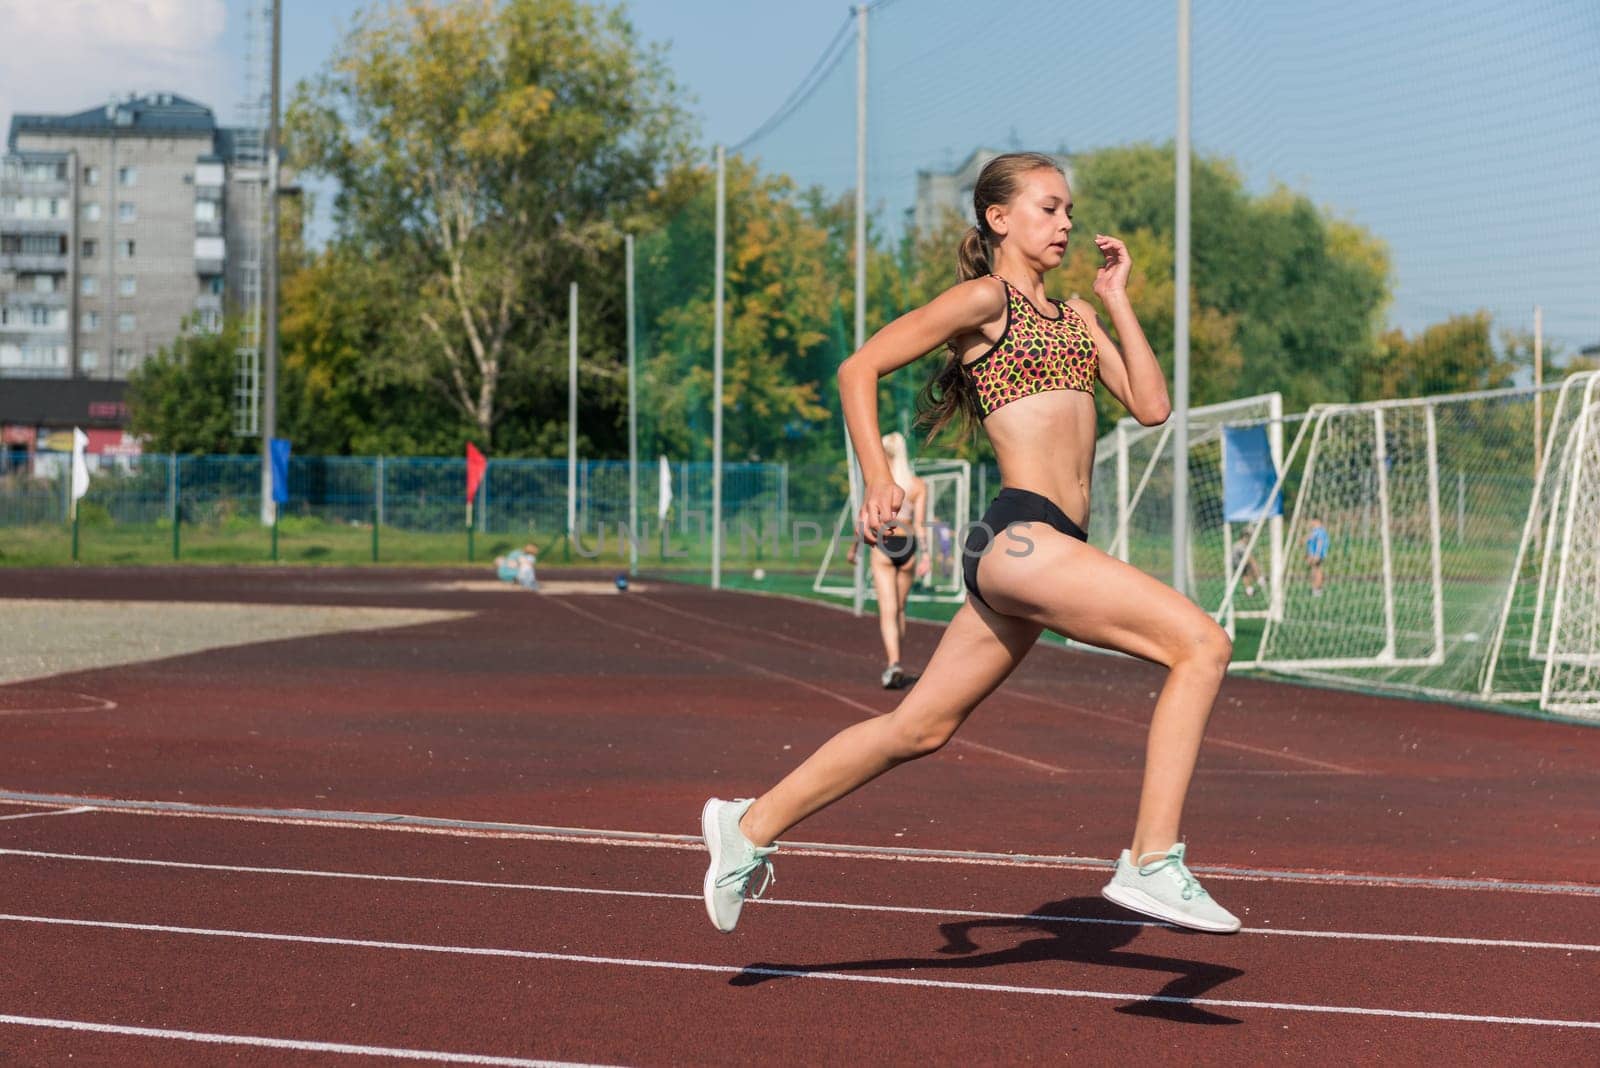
<point x="1034" y="354"/>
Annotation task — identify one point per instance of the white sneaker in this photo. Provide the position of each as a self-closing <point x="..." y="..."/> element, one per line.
<point x="734" y="859"/>
<point x="1168" y="891"/>
<point x="892" y="677"/>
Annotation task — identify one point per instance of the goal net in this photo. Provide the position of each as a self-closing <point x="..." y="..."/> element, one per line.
<point x="1132" y="519"/>
<point x="1546" y="644"/>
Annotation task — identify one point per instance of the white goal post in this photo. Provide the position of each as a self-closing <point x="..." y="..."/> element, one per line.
<point x="1546" y="644"/>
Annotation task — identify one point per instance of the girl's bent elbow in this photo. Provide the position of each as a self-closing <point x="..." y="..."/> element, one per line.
<point x="1154" y="416"/>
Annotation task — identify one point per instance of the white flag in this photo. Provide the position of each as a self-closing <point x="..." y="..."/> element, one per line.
<point x="80" y="464"/>
<point x="664" y="495"/>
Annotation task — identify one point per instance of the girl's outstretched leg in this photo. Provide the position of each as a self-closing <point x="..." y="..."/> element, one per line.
<point x="1077" y="590"/>
<point x="978" y="650"/>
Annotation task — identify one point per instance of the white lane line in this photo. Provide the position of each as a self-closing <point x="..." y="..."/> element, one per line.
<point x="804" y="684"/>
<point x="1138" y="724"/>
<point x="96" y="704"/>
<point x="388" y="821"/>
<point x="301" y="1045"/>
<point x="844" y="906"/>
<point x="57" y="812"/>
<point x="797" y="973"/>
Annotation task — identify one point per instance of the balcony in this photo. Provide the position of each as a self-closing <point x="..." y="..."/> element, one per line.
<point x="59" y="225"/>
<point x="34" y="263"/>
<point x="209" y="178"/>
<point x="208" y="228"/>
<point x="35" y="187"/>
<point x="16" y="298"/>
<point x="208" y="302"/>
<point x="26" y="337"/>
<point x="210" y="253"/>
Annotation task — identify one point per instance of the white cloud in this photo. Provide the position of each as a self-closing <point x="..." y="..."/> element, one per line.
<point x="63" y="56"/>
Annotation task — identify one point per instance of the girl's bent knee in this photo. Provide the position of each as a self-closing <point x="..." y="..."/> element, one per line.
<point x="1208" y="647"/>
<point x="919" y="739"/>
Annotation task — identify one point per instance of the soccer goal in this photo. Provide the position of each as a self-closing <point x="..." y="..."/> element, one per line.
<point x="1546" y="645"/>
<point x="1235" y="456"/>
<point x="949" y="510"/>
<point x="1363" y="586"/>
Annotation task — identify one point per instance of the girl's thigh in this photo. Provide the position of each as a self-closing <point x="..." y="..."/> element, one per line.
<point x="1073" y="588"/>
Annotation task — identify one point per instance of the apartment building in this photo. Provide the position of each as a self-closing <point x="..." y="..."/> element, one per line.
<point x="115" y="229"/>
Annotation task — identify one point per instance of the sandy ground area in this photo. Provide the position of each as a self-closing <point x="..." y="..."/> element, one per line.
<point x="46" y="637"/>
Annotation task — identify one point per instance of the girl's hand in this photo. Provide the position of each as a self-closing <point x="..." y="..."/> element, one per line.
<point x="1112" y="278"/>
<point x="878" y="509"/>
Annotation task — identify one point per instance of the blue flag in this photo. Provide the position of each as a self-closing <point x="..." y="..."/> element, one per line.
<point x="280" y="470"/>
<point x="1248" y="476"/>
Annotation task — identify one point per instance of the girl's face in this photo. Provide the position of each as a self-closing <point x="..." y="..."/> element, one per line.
<point x="1038" y="219"/>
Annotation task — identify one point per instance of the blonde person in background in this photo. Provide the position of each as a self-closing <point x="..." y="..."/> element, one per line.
<point x="902" y="544"/>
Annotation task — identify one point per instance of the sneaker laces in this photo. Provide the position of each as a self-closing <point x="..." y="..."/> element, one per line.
<point x="741" y="875"/>
<point x="1173" y="862"/>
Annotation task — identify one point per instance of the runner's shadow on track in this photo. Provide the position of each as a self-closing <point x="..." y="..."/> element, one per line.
<point x="1064" y="939"/>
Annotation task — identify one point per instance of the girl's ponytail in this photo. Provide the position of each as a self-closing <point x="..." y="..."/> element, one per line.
<point x="972" y="259"/>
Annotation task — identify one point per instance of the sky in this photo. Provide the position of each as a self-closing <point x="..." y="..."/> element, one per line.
<point x="1469" y="143"/>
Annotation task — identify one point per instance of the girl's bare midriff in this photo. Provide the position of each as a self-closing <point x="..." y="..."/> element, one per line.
<point x="1045" y="443"/>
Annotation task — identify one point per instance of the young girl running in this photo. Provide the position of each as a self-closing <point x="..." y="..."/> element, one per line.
<point x="904" y="542"/>
<point x="1025" y="367"/>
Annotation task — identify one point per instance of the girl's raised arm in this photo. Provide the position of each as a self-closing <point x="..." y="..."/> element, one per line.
<point x="959" y="309"/>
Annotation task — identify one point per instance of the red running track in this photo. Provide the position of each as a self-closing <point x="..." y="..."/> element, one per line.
<point x="622" y="713"/>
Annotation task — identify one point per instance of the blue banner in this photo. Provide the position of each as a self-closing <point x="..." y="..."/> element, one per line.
<point x="280" y="470"/>
<point x="1248" y="475"/>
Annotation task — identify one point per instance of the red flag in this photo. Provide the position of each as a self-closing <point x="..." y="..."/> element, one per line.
<point x="476" y="466"/>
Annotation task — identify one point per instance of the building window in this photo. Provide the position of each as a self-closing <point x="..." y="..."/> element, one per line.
<point x="91" y="248"/>
<point x="127" y="323"/>
<point x="42" y="283"/>
<point x="91" y="286"/>
<point x="40" y="315"/>
<point x="124" y="359"/>
<point x="127" y="177"/>
<point x="89" y="359"/>
<point x="212" y="285"/>
<point x="208" y="321"/>
<point x="126" y="212"/>
<point x="91" y="212"/>
<point x="44" y="172"/>
<point x="91" y="175"/>
<point x="127" y="286"/>
<point x="125" y="250"/>
<point x="205" y="211"/>
<point x="5" y="315"/>
<point x="89" y="322"/>
<point x="40" y="244"/>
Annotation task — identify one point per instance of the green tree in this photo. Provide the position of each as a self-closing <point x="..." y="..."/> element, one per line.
<point x="1285" y="297"/>
<point x="1455" y="356"/>
<point x="778" y="346"/>
<point x="181" y="400"/>
<point x="334" y="396"/>
<point x="489" y="152"/>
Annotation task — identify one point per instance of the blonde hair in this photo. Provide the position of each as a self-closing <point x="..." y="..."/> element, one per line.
<point x="894" y="447"/>
<point x="949" y="395"/>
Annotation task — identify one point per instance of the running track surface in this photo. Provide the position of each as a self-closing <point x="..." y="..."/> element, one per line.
<point x="1416" y="880"/>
